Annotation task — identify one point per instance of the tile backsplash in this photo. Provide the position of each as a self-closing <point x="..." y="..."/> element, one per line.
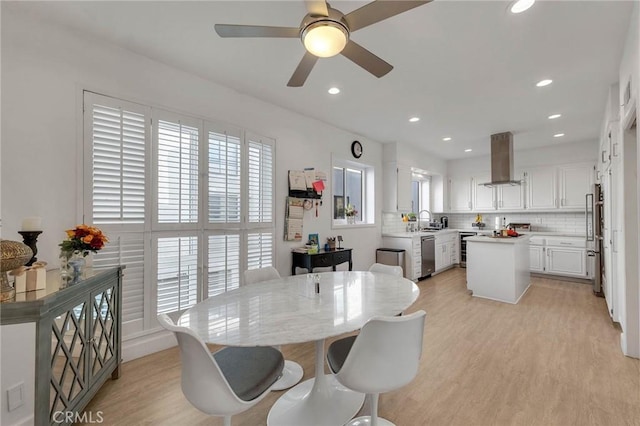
<point x="565" y="222"/>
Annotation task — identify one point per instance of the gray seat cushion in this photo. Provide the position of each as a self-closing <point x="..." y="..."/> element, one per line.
<point x="338" y="351"/>
<point x="250" y="371"/>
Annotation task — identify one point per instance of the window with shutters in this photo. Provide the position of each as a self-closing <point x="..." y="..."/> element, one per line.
<point x="187" y="204"/>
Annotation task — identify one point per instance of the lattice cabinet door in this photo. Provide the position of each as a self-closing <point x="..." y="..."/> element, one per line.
<point x="78" y="345"/>
<point x="104" y="331"/>
<point x="68" y="357"/>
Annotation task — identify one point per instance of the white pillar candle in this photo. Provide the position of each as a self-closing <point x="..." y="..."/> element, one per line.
<point x="32" y="224"/>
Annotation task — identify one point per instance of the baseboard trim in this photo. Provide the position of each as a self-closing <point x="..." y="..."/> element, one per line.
<point x="147" y="345"/>
<point x="563" y="278"/>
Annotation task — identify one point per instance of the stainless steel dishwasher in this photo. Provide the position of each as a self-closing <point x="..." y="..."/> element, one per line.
<point x="428" y="255"/>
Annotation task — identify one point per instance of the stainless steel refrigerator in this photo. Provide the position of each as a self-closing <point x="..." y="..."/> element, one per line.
<point x="594" y="229"/>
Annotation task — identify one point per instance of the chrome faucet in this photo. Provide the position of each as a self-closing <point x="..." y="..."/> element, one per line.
<point x="420" y="218"/>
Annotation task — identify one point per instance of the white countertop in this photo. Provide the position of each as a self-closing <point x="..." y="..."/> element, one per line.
<point x="498" y="240"/>
<point x="483" y="231"/>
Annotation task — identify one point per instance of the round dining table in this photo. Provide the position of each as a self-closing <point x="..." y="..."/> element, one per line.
<point x="295" y="309"/>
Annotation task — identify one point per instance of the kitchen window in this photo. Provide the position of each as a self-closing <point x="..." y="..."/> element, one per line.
<point x="420" y="192"/>
<point x="187" y="204"/>
<point x="352" y="189"/>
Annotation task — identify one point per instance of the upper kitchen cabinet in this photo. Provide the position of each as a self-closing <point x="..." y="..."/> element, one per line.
<point x="510" y="197"/>
<point x="397" y="187"/>
<point x="541" y="188"/>
<point x="484" y="198"/>
<point x="558" y="187"/>
<point x="460" y="194"/>
<point x="575" y="182"/>
<point x="499" y="197"/>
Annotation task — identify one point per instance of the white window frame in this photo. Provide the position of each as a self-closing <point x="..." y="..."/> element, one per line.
<point x="368" y="193"/>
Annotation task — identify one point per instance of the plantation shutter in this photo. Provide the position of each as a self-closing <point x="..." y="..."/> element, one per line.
<point x="223" y="272"/>
<point x="224" y="177"/>
<point x="260" y="180"/>
<point x="177" y="273"/>
<point x="259" y="249"/>
<point x="177" y="141"/>
<point x="128" y="250"/>
<point x="118" y="141"/>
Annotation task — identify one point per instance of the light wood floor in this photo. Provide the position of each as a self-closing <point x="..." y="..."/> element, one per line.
<point x="553" y="359"/>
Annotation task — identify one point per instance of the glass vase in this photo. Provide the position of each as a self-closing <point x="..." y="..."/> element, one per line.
<point x="351" y="220"/>
<point x="77" y="263"/>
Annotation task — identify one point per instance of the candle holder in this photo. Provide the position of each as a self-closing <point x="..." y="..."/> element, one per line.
<point x="30" y="238"/>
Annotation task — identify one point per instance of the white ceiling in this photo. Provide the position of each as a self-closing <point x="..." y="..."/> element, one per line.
<point x="467" y="68"/>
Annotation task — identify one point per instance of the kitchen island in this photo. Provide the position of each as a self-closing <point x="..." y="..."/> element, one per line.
<point x="497" y="267"/>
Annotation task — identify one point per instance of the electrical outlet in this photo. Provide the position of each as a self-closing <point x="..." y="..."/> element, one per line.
<point x="15" y="396"/>
<point x="538" y="220"/>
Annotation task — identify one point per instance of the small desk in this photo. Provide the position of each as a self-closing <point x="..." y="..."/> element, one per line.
<point x="321" y="259"/>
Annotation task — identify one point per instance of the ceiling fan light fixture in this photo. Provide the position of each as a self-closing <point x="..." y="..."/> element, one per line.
<point x="325" y="38"/>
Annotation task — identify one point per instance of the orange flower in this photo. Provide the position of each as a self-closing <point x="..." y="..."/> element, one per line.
<point x="87" y="239"/>
<point x="71" y="233"/>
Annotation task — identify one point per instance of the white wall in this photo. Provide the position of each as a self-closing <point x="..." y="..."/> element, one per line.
<point x="44" y="70"/>
<point x="17" y="363"/>
<point x="565" y="153"/>
<point x="630" y="296"/>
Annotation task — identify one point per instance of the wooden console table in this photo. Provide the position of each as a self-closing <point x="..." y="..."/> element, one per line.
<point x="321" y="259"/>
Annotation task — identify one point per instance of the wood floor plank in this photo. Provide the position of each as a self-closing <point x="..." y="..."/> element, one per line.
<point x="552" y="359"/>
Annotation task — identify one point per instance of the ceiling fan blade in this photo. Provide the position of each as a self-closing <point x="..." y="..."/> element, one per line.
<point x="317" y="7"/>
<point x="304" y="69"/>
<point x="366" y="59"/>
<point x="379" y="10"/>
<point x="225" y="30"/>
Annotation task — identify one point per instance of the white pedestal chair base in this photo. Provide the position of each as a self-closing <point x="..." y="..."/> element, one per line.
<point x="291" y="375"/>
<point x="366" y="421"/>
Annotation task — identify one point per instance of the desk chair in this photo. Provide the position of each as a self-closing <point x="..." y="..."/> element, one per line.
<point x="385" y="356"/>
<point x="387" y="269"/>
<point x="293" y="371"/>
<point x="226" y="382"/>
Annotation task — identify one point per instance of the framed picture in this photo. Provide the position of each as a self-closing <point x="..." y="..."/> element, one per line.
<point x="338" y="207"/>
<point x="314" y="239"/>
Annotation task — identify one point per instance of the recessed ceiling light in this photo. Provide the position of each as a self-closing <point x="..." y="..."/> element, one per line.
<point x="334" y="91"/>
<point x="468" y="150"/>
<point x="414" y="119"/>
<point x="558" y="135"/>
<point x="554" y="116"/>
<point x="543" y="83"/>
<point x="447" y="139"/>
<point x="521" y="5"/>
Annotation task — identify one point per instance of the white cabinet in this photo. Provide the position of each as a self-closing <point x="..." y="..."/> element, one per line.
<point x="500" y="197"/>
<point x="541" y="188"/>
<point x="510" y="197"/>
<point x="460" y="194"/>
<point x="397" y="187"/>
<point x="536" y="254"/>
<point x="558" y="187"/>
<point x="565" y="256"/>
<point x="566" y="261"/>
<point x="404" y="188"/>
<point x="446" y="250"/>
<point x="575" y="182"/>
<point x="483" y="197"/>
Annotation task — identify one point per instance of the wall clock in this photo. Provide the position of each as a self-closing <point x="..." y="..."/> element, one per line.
<point x="356" y="149"/>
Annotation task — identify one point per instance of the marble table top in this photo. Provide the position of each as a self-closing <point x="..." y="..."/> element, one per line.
<point x="288" y="310"/>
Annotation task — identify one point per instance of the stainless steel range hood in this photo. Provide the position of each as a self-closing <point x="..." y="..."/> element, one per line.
<point x="502" y="160"/>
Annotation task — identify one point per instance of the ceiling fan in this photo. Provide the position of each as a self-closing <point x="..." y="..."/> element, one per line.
<point x="326" y="31"/>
